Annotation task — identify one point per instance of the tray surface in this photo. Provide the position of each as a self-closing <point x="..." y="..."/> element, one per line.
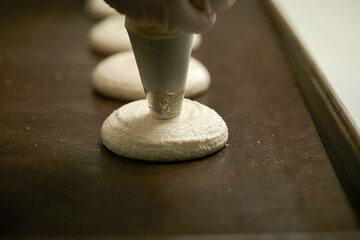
<point x="56" y="178"/>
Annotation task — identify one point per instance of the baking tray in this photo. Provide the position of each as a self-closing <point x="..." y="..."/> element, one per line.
<point x="273" y="180"/>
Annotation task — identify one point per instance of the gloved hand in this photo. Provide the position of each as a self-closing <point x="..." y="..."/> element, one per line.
<point x="189" y="16"/>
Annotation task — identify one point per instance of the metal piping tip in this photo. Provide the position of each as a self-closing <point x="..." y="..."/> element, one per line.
<point x="163" y="60"/>
<point x="164" y="105"/>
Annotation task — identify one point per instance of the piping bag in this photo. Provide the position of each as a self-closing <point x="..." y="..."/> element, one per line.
<point x="163" y="60"/>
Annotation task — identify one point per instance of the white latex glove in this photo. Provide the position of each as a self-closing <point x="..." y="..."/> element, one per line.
<point x="189" y="16"/>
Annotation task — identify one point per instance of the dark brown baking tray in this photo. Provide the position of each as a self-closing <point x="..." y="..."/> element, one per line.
<point x="273" y="181"/>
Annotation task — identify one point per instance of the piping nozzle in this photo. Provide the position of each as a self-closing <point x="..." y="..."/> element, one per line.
<point x="165" y="105"/>
<point x="163" y="60"/>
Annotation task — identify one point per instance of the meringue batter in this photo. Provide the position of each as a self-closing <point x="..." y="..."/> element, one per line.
<point x="117" y="76"/>
<point x="99" y="9"/>
<point x="132" y="132"/>
<point x="110" y="36"/>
